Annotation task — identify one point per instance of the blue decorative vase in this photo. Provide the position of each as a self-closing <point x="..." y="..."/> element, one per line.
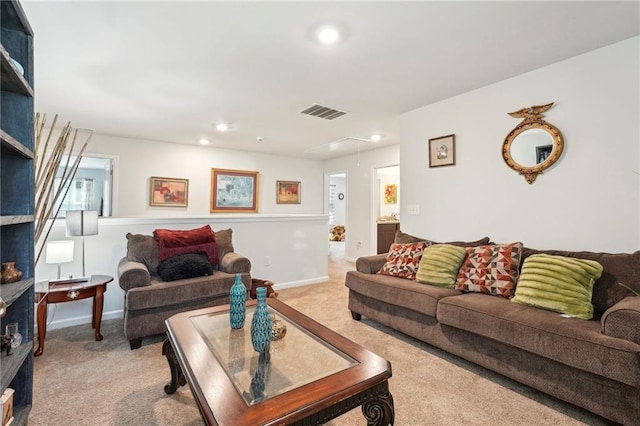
<point x="238" y="303"/>
<point x="261" y="323"/>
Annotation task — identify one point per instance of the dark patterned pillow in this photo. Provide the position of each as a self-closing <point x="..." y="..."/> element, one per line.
<point x="491" y="269"/>
<point x="185" y="266"/>
<point x="403" y="260"/>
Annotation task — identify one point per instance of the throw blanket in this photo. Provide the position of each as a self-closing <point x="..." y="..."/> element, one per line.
<point x="174" y="243"/>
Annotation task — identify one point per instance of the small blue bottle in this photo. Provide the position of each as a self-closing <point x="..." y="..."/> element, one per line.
<point x="238" y="303"/>
<point x="261" y="323"/>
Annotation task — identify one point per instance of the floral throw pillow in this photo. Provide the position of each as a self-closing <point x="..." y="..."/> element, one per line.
<point x="403" y="260"/>
<point x="491" y="269"/>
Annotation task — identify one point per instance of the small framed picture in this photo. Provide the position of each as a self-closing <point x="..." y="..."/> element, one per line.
<point x="288" y="192"/>
<point x="391" y="194"/>
<point x="442" y="151"/>
<point x="234" y="191"/>
<point x="168" y="192"/>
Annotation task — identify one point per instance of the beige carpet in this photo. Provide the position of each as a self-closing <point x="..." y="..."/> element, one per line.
<point x="82" y="382"/>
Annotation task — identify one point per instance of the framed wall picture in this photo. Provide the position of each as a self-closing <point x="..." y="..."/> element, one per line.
<point x="391" y="194"/>
<point x="288" y="192"/>
<point x="234" y="191"/>
<point x="442" y="151"/>
<point x="168" y="192"/>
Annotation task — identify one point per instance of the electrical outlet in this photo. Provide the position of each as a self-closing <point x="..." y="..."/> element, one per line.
<point x="267" y="261"/>
<point x="413" y="210"/>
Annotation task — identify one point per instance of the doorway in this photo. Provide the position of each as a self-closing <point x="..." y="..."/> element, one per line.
<point x="385" y="206"/>
<point x="336" y="208"/>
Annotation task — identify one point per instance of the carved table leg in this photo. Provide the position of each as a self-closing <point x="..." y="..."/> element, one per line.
<point x="42" y="325"/>
<point x="98" y="303"/>
<point x="177" y="377"/>
<point x="379" y="411"/>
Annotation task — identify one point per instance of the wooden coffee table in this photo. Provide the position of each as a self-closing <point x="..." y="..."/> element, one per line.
<point x="313" y="374"/>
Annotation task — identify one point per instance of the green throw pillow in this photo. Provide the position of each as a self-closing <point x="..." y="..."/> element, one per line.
<point x="558" y="283"/>
<point x="439" y="265"/>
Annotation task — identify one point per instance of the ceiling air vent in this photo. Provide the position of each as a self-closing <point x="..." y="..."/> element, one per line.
<point x="323" y="112"/>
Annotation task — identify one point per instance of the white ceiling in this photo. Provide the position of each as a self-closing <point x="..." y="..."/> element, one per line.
<point x="169" y="71"/>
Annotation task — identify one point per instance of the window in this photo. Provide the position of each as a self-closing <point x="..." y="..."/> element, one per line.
<point x="91" y="187"/>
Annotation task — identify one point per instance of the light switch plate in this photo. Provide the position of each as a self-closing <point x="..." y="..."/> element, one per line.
<point x="413" y="210"/>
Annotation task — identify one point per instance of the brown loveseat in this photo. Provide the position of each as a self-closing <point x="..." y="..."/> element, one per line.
<point x="149" y="300"/>
<point x="594" y="364"/>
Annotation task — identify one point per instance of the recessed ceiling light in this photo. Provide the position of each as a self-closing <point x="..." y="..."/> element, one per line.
<point x="222" y="127"/>
<point x="259" y="138"/>
<point x="376" y="137"/>
<point x="204" y="141"/>
<point x="328" y="35"/>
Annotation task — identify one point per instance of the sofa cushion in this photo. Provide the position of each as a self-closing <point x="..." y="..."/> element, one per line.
<point x="570" y="341"/>
<point x="403" y="260"/>
<point x="440" y="264"/>
<point x="224" y="241"/>
<point x="143" y="249"/>
<point x="402" y="238"/>
<point x="491" y="269"/>
<point x="617" y="268"/>
<point x="558" y="283"/>
<point x="163" y="295"/>
<point x="406" y="294"/>
<point x="176" y="242"/>
<point x="185" y="266"/>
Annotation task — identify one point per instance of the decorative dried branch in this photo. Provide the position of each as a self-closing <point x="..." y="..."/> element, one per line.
<point x="47" y="163"/>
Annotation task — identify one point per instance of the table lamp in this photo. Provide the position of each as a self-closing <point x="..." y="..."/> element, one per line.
<point x="81" y="223"/>
<point x="59" y="252"/>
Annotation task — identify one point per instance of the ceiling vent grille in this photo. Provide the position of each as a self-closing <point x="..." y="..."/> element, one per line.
<point x="323" y="112"/>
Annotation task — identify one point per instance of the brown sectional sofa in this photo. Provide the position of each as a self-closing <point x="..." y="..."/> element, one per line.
<point x="594" y="364"/>
<point x="149" y="300"/>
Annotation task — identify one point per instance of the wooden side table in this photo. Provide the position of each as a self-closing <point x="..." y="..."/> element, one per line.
<point x="69" y="292"/>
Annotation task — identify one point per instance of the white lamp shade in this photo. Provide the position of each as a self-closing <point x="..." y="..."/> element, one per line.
<point x="59" y="251"/>
<point x="81" y="223"/>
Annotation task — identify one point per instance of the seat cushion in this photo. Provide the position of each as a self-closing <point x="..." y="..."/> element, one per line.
<point x="398" y="291"/>
<point x="571" y="341"/>
<point x="161" y="293"/>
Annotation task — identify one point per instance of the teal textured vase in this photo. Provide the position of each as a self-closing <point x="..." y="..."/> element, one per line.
<point x="261" y="323"/>
<point x="238" y="303"/>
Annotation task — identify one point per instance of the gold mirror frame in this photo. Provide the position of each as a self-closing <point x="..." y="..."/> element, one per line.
<point x="532" y="119"/>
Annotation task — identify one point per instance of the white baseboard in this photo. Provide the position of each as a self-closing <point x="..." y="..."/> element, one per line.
<point x="84" y="319"/>
<point x="300" y="283"/>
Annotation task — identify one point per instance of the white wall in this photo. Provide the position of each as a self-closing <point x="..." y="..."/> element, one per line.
<point x="138" y="160"/>
<point x="360" y="195"/>
<point x="588" y="200"/>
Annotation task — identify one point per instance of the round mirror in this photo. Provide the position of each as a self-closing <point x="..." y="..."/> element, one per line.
<point x="533" y="146"/>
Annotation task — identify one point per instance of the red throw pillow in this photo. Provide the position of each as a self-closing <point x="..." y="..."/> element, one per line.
<point x="176" y="242"/>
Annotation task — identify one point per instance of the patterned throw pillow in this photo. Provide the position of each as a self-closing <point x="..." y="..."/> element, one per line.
<point x="558" y="283"/>
<point x="490" y="269"/>
<point x="403" y="260"/>
<point x="440" y="264"/>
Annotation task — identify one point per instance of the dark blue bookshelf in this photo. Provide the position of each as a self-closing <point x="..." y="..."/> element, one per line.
<point x="17" y="200"/>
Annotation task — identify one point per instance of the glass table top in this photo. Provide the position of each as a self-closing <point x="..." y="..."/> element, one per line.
<point x="297" y="359"/>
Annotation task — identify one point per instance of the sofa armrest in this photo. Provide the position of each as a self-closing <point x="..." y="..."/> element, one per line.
<point x="370" y="264"/>
<point x="132" y="274"/>
<point x="622" y="319"/>
<point x="234" y="263"/>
